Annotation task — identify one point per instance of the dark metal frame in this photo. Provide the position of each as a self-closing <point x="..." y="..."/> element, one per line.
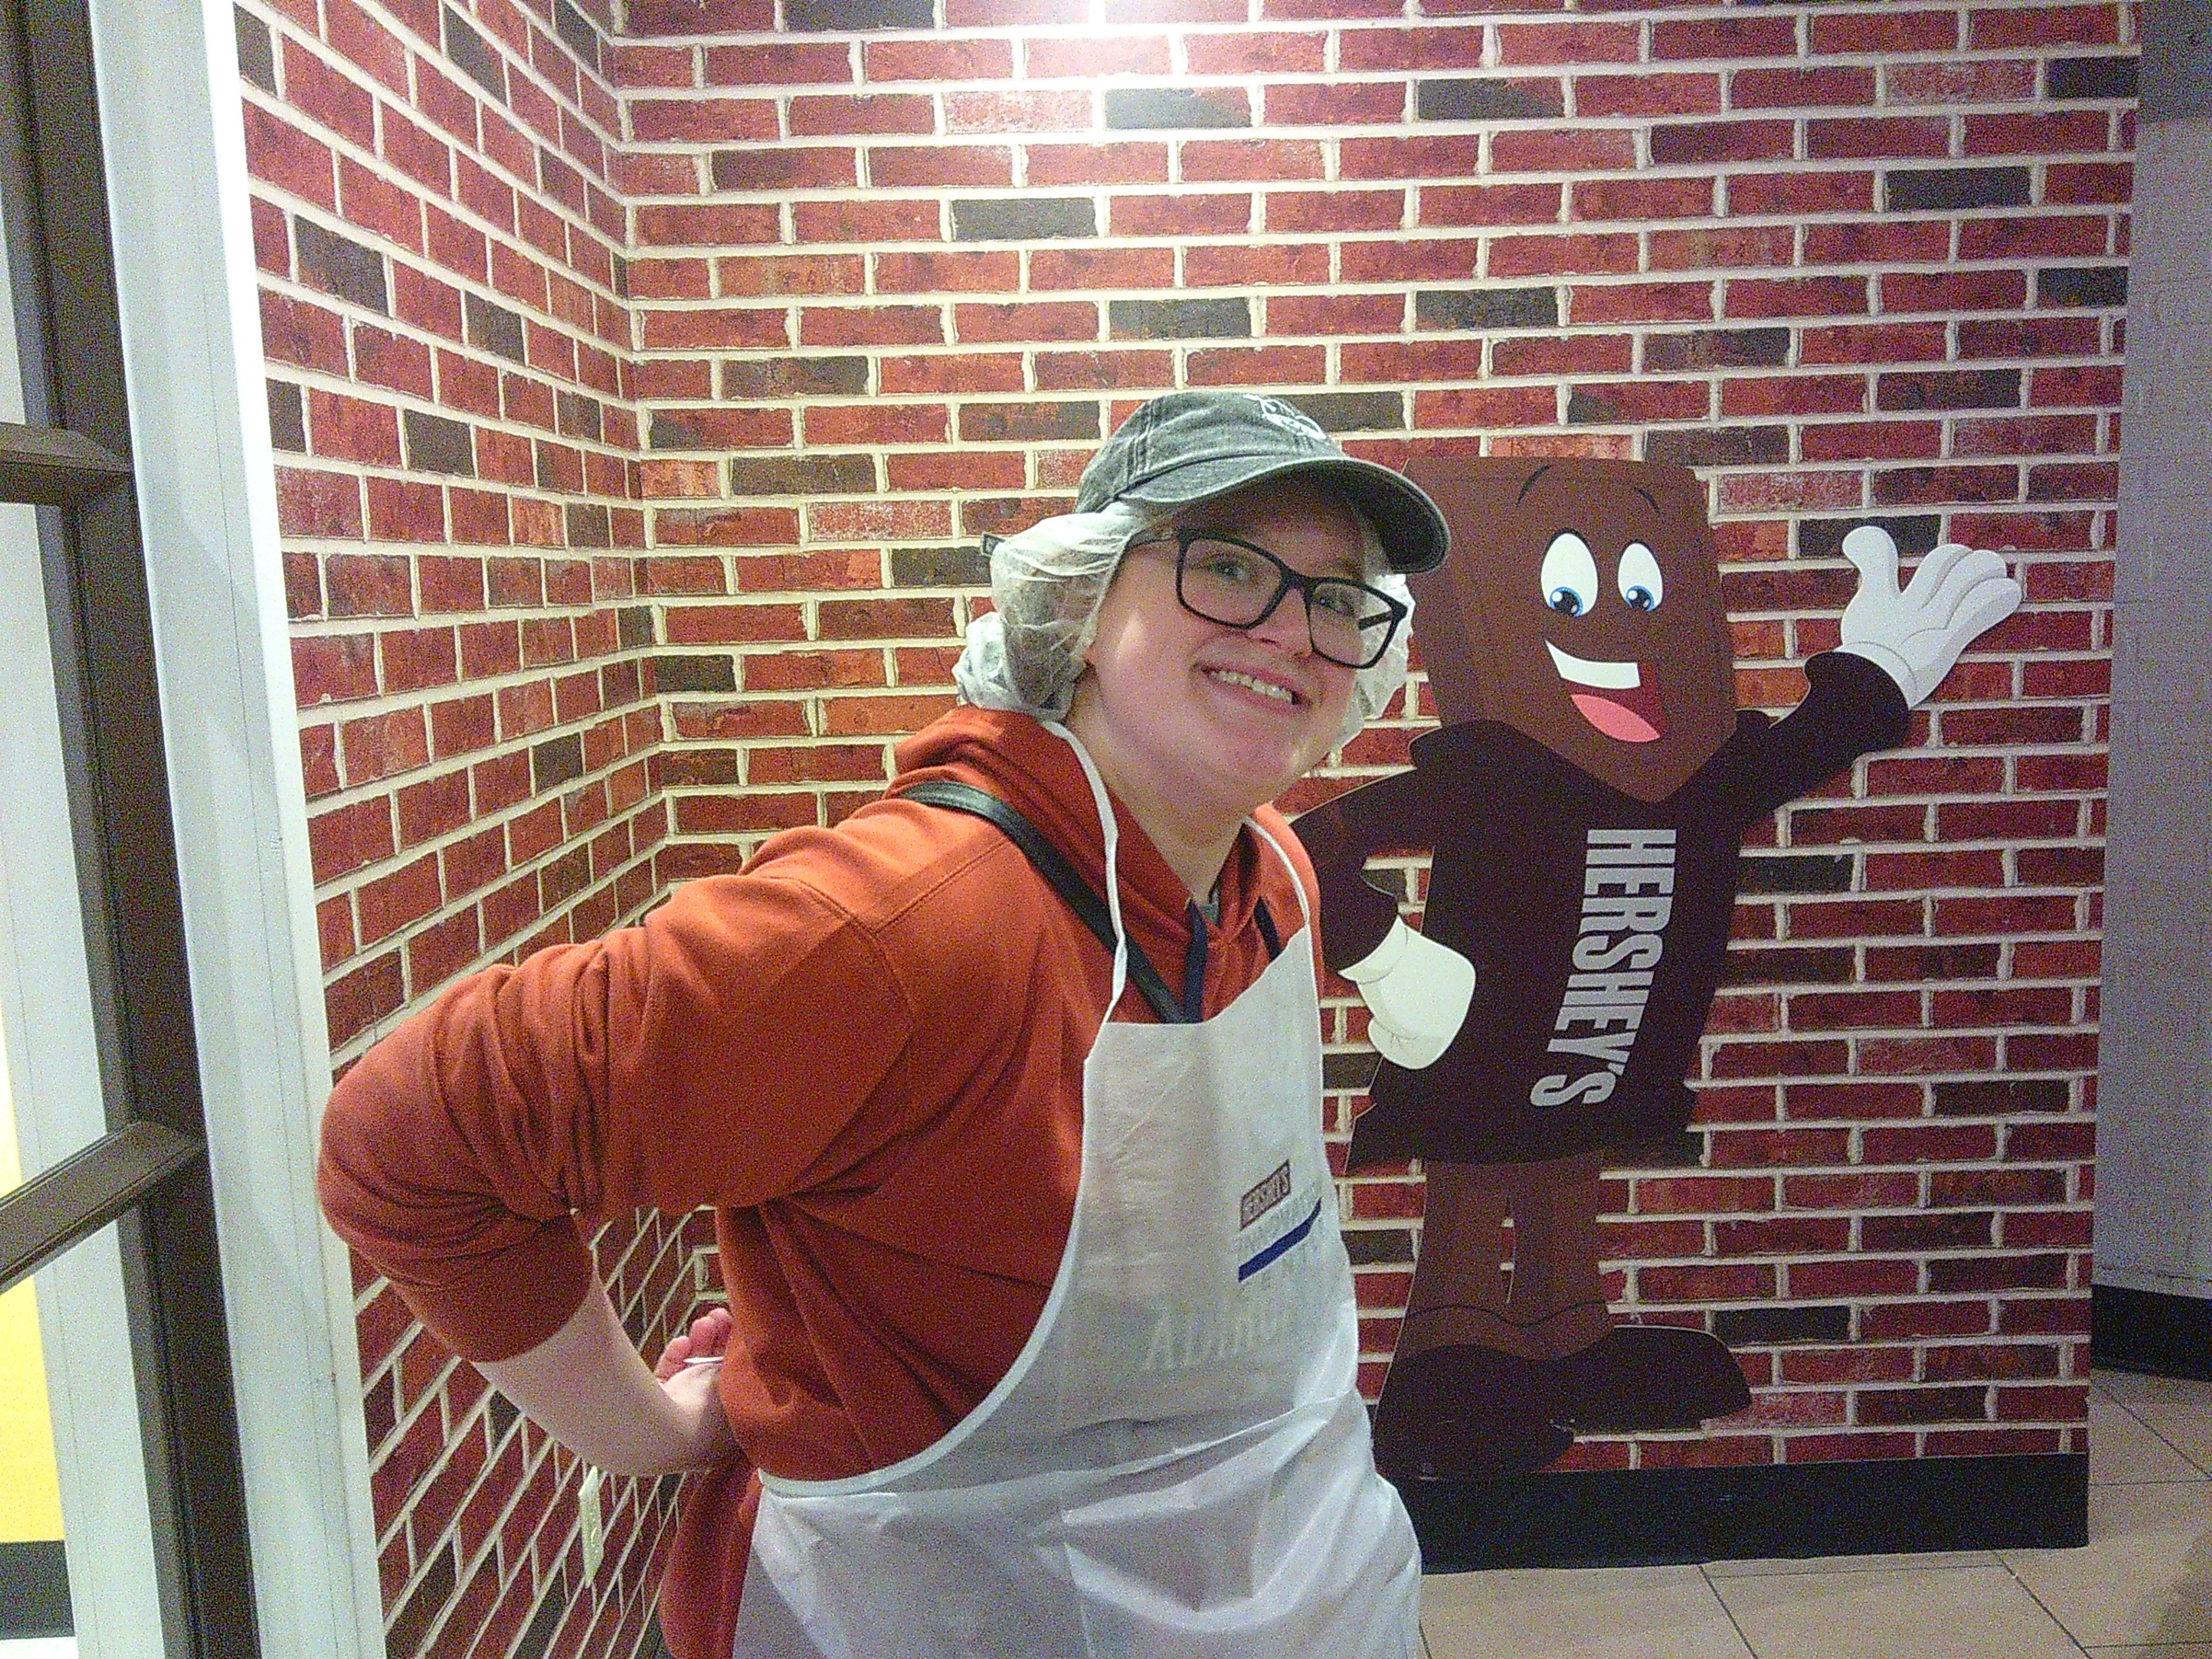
<point x="150" y="1173"/>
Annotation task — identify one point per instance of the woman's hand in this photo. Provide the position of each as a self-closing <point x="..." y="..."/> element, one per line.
<point x="699" y="1349"/>
<point x="587" y="1387"/>
<point x="690" y="1373"/>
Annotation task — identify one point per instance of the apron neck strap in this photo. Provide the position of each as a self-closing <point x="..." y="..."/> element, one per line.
<point x="1305" y="906"/>
<point x="1112" y="830"/>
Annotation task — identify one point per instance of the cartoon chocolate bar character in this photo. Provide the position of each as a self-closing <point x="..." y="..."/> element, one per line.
<point x="1585" y="801"/>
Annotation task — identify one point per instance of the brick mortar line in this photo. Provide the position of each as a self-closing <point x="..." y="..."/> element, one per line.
<point x="1714" y="11"/>
<point x="1718" y="172"/>
<point x="282" y="26"/>
<point x="1831" y="1258"/>
<point x="345" y="310"/>
<point x="1956" y="111"/>
<point x="299" y="120"/>
<point x="386" y="547"/>
<point x="1449" y="231"/>
<point x="1406" y="388"/>
<point x="375" y="392"/>
<point x="431" y="697"/>
<point x="391" y="322"/>
<point x="1874" y="469"/>
<point x="1411" y="862"/>
<point x="348" y="884"/>
<point x="379" y="622"/>
<point x="925" y="349"/>
<point x="1330" y="138"/>
<point x="367" y="1037"/>
<point x="475" y="1417"/>
<point x="450" y="908"/>
<point x="422" y="195"/>
<point x="1568" y="380"/>
<point x="376" y="790"/>
<point x="435" y="51"/>
<point x="493" y="1545"/>
<point x="363" y="875"/>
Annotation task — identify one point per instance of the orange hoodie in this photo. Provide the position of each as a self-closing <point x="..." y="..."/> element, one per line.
<point x="866" y="1052"/>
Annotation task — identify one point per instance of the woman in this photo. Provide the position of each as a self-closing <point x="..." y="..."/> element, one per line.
<point x="1042" y="1338"/>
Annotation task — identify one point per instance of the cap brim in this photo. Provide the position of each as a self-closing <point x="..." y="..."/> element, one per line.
<point x="1414" y="535"/>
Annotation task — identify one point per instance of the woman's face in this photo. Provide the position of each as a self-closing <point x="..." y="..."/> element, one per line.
<point x="1215" y="720"/>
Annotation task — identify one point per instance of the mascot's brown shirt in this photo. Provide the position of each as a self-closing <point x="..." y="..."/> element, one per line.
<point x="864" y="1053"/>
<point x="1598" y="923"/>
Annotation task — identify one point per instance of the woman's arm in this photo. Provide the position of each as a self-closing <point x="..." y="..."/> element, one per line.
<point x="656" y="1067"/>
<point x="588" y="1387"/>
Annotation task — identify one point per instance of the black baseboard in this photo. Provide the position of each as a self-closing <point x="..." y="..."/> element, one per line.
<point x="34" y="1598"/>
<point x="1601" y="1518"/>
<point x="1643" y="1517"/>
<point x="2150" y="1331"/>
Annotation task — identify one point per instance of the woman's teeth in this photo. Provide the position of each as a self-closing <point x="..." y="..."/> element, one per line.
<point x="1229" y="677"/>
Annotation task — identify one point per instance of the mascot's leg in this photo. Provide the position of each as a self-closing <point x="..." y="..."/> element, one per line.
<point x="1463" y="1399"/>
<point x="1557" y="1300"/>
<point x="1604" y="1377"/>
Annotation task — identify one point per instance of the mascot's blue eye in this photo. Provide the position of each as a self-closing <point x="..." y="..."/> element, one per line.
<point x="1568" y="579"/>
<point x="1641" y="583"/>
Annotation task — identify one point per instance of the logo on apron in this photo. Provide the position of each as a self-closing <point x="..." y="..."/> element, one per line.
<point x="1297" y="1234"/>
<point x="1265" y="1196"/>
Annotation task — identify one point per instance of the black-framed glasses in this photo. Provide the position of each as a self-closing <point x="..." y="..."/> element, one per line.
<point x="1238" y="585"/>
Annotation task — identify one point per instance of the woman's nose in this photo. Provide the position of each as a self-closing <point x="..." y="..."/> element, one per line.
<point x="1286" y="627"/>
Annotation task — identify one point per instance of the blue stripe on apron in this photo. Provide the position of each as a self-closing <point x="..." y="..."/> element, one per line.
<point x="1286" y="1242"/>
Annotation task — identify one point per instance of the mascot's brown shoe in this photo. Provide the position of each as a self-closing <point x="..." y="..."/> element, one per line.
<point x="1464" y="1413"/>
<point x="1645" y="1376"/>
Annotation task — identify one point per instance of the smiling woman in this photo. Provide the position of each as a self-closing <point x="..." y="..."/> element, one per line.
<point x="1195" y="723"/>
<point x="1000" y="1198"/>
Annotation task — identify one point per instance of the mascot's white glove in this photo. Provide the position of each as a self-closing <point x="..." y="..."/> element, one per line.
<point x="1958" y="594"/>
<point x="1417" y="992"/>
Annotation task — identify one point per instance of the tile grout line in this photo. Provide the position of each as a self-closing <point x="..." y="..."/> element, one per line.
<point x="1727" y="1611"/>
<point x="2114" y="1401"/>
<point x="2079" y="1645"/>
<point x="2201" y="1473"/>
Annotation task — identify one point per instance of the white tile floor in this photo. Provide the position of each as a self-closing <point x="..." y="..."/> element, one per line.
<point x="2142" y="1588"/>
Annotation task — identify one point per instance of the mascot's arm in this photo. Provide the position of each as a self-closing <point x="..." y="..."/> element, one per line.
<point x="1416" y="991"/>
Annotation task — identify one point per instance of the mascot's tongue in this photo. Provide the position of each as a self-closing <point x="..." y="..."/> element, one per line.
<point x="1635" y="715"/>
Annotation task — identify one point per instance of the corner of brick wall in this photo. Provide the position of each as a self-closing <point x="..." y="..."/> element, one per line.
<point x="444" y="295"/>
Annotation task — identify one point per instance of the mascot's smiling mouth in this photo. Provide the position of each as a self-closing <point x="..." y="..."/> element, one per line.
<point x="1617" y="702"/>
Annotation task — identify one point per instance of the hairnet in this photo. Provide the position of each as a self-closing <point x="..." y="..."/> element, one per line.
<point x="1047" y="586"/>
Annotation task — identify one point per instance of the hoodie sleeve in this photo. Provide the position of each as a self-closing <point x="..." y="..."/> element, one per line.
<point x="723" y="1052"/>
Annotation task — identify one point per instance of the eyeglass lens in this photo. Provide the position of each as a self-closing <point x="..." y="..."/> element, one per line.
<point x="1237" y="586"/>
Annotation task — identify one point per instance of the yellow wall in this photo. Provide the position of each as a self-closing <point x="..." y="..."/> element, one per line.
<point x="30" y="1497"/>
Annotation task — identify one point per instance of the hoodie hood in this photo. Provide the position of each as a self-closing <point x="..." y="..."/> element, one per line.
<point x="1036" y="772"/>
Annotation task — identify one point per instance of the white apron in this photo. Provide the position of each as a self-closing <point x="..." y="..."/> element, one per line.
<point x="1177" y="1465"/>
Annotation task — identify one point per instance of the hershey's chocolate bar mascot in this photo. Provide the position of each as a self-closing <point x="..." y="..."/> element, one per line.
<point x="1586" y="801"/>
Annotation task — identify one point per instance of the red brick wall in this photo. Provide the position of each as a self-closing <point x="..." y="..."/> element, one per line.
<point x="448" y="340"/>
<point x="1846" y="260"/>
<point x="746" y="332"/>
